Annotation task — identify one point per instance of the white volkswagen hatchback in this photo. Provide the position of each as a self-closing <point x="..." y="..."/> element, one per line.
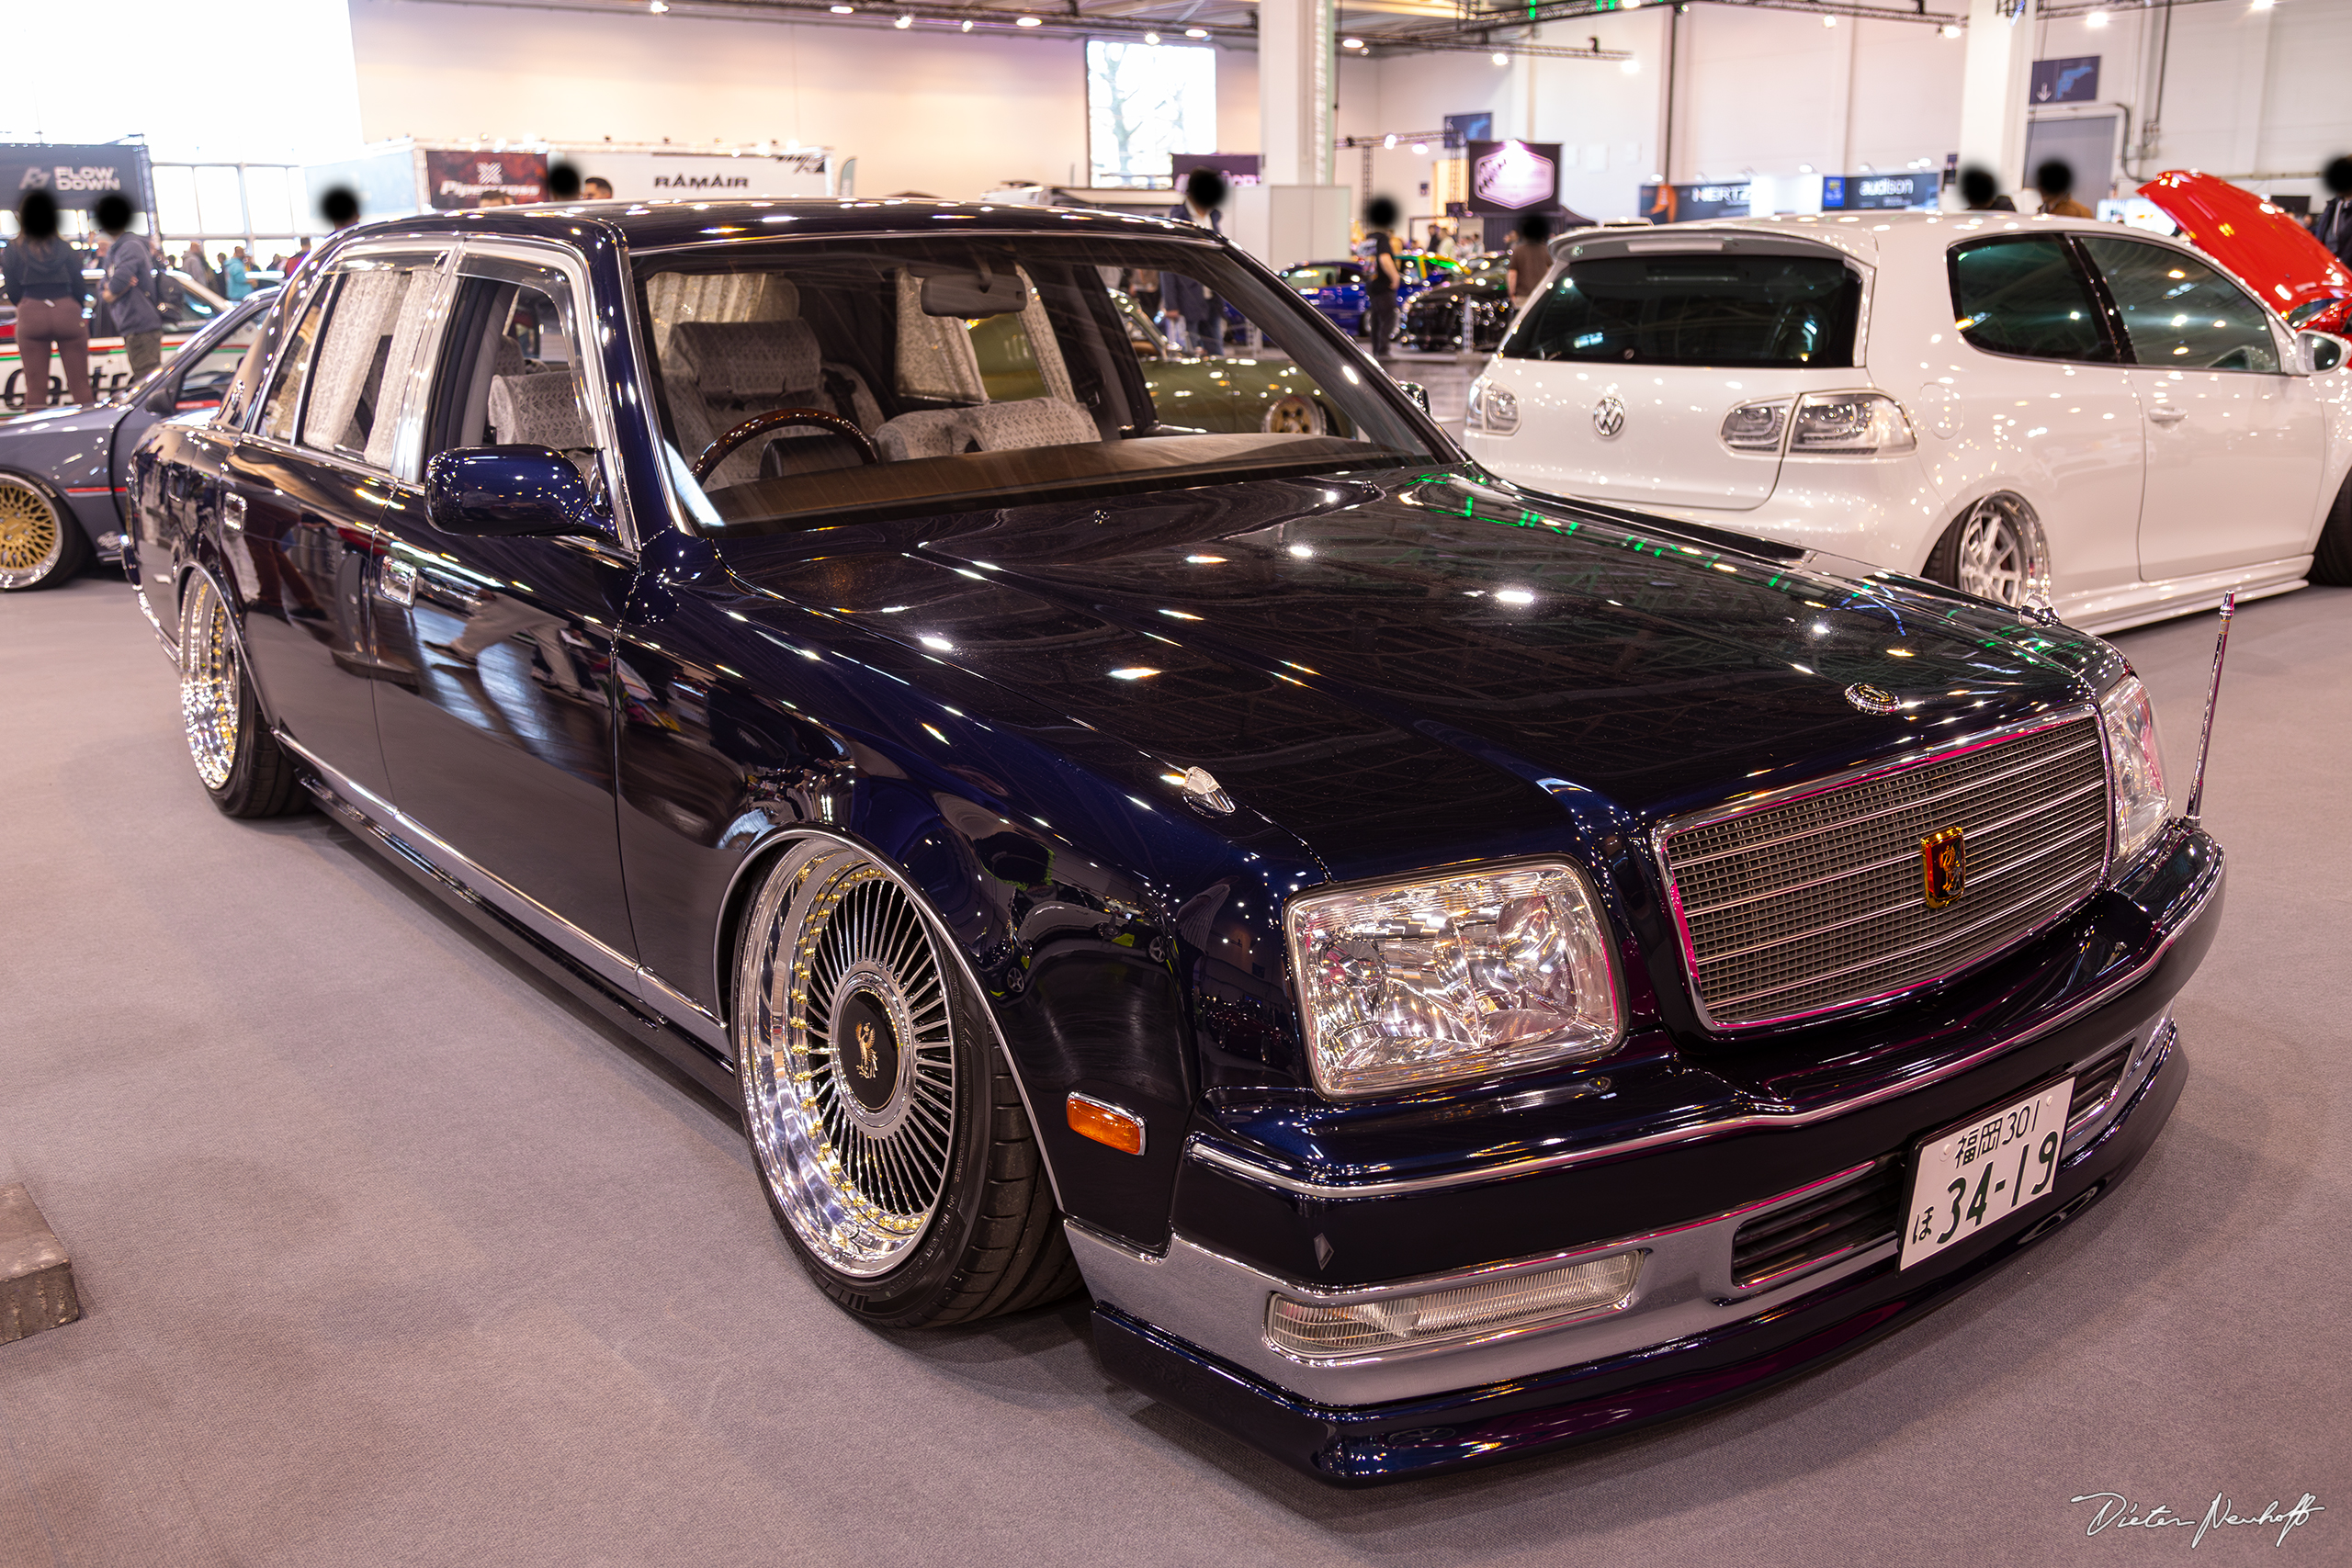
<point x="2025" y="408"/>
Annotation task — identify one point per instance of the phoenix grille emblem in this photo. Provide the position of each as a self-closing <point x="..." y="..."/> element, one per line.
<point x="1943" y="865"/>
<point x="1872" y="699"/>
<point x="869" y="1063"/>
<point x="1608" y="416"/>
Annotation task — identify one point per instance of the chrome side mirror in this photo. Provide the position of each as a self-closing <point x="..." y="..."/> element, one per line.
<point x="2318" y="353"/>
<point x="1419" y="393"/>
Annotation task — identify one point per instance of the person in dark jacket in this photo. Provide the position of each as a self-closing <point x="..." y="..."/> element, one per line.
<point x="1982" y="193"/>
<point x="2335" y="225"/>
<point x="43" y="279"/>
<point x="1531" y="255"/>
<point x="1185" y="299"/>
<point x="1381" y="275"/>
<point x="129" y="285"/>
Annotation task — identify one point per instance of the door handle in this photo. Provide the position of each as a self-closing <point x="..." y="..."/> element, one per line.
<point x="396" y="581"/>
<point x="2167" y="413"/>
<point x="233" y="513"/>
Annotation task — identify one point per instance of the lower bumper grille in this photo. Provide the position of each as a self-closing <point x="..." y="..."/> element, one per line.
<point x="1824" y="1227"/>
<point x="1801" y="906"/>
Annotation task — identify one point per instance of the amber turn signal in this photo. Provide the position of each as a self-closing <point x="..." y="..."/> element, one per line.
<point x="1106" y="1124"/>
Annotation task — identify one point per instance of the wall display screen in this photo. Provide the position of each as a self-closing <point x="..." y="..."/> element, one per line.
<point x="2069" y="81"/>
<point x="1514" y="177"/>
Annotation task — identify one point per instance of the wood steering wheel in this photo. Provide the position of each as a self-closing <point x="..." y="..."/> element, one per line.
<point x="761" y="424"/>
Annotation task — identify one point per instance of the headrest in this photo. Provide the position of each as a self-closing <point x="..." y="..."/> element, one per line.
<point x="748" y="359"/>
<point x="536" y="411"/>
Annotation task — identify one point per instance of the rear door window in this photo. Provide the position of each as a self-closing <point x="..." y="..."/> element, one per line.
<point x="2181" y="313"/>
<point x="360" y="373"/>
<point x="1788" y="311"/>
<point x="2026" y="297"/>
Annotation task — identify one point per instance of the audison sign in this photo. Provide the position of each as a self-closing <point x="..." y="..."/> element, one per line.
<point x="76" y="177"/>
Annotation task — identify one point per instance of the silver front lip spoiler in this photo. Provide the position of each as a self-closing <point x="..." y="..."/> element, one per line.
<point x="1686" y="1286"/>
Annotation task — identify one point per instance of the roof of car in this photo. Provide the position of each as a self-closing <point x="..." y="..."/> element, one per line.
<point x="655" y="225"/>
<point x="1865" y="236"/>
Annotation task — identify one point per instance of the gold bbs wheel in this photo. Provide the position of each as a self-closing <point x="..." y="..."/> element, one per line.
<point x="208" y="686"/>
<point x="34" y="534"/>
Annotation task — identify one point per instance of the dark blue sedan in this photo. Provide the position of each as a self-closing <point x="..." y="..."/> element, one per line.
<point x="1448" y="970"/>
<point x="62" y="470"/>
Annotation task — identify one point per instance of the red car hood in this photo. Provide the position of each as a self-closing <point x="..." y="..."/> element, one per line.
<point x="2260" y="242"/>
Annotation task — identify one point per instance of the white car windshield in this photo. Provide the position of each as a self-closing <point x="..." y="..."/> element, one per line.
<point x="813" y="380"/>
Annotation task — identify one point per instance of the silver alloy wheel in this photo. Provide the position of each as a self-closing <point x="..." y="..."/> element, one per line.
<point x="848" y="1059"/>
<point x="2001" y="555"/>
<point x="32" y="534"/>
<point x="208" y="686"/>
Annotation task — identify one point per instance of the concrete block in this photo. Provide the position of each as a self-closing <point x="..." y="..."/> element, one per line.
<point x="36" y="1277"/>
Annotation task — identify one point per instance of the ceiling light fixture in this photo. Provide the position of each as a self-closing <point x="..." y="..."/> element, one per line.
<point x="1351" y="43"/>
<point x="903" y="23"/>
<point x="1950" y="29"/>
<point x="1151" y="37"/>
<point x="657" y="8"/>
<point x="1027" y="22"/>
<point x="1196" y="32"/>
<point x="843" y="10"/>
<point x="2096" y="19"/>
<point x="1420" y="147"/>
<point x="1500" y="58"/>
<point x="1829" y="21"/>
<point x="967" y="24"/>
<point x="1633" y="67"/>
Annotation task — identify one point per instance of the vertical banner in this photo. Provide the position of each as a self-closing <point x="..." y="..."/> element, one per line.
<point x="455" y="180"/>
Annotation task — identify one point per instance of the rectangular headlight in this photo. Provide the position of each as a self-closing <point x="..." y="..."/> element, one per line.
<point x="1315" y="1331"/>
<point x="2136" y="761"/>
<point x="1453" y="977"/>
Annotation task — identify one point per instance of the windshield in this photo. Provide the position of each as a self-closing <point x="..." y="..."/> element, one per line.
<point x="1785" y="312"/>
<point x="812" y="382"/>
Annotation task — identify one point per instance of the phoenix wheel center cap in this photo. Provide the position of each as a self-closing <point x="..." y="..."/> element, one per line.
<point x="866" y="1051"/>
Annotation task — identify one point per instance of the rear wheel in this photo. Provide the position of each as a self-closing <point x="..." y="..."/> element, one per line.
<point x="1995" y="550"/>
<point x="2332" y="561"/>
<point x="239" y="763"/>
<point x="891" y="1139"/>
<point x="41" y="544"/>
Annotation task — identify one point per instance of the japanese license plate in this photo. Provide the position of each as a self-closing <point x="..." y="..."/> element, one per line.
<point x="1985" y="1170"/>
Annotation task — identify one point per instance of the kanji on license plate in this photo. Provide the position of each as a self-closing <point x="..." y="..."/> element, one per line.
<point x="1985" y="1170"/>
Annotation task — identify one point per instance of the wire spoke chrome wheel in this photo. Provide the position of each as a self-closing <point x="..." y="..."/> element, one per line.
<point x="208" y="686"/>
<point x="32" y="535"/>
<point x="2000" y="554"/>
<point x="848" y="1060"/>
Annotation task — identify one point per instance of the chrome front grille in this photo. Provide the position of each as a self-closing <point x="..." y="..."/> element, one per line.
<point x="1819" y="901"/>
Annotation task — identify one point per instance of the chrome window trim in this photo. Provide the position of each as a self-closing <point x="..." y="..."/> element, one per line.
<point x="1848" y="778"/>
<point x="534" y="252"/>
<point x="1175" y="235"/>
<point x="1234" y="1162"/>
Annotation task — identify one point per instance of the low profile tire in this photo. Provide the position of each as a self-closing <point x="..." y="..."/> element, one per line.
<point x="240" y="764"/>
<point x="1995" y="550"/>
<point x="891" y="1136"/>
<point x="41" y="545"/>
<point x="2332" y="561"/>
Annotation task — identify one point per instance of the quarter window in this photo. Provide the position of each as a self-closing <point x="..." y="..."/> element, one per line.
<point x="2026" y="297"/>
<point x="2181" y="313"/>
<point x="285" y="403"/>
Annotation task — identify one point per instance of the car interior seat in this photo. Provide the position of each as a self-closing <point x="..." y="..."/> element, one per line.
<point x="936" y="363"/>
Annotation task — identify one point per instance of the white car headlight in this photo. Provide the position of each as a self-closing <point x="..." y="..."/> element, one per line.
<point x="1853" y="423"/>
<point x="2136" y="765"/>
<point x="1453" y="977"/>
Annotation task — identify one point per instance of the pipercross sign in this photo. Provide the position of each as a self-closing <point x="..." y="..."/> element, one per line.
<point x="1514" y="177"/>
<point x="76" y="177"/>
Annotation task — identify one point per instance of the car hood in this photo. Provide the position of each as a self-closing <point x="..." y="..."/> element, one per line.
<point x="62" y="421"/>
<point x="1411" y="666"/>
<point x="2262" y="243"/>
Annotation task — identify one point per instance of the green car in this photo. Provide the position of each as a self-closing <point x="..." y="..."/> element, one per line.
<point x="1215" y="395"/>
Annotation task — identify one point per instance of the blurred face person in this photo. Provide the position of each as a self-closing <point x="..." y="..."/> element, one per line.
<point x="596" y="189"/>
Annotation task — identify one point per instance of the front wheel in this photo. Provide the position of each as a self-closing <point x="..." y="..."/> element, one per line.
<point x="891" y="1136"/>
<point x="239" y="763"/>
<point x="1995" y="550"/>
<point x="41" y="544"/>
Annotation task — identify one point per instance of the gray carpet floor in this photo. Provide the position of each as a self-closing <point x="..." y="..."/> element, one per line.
<point x="394" y="1256"/>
